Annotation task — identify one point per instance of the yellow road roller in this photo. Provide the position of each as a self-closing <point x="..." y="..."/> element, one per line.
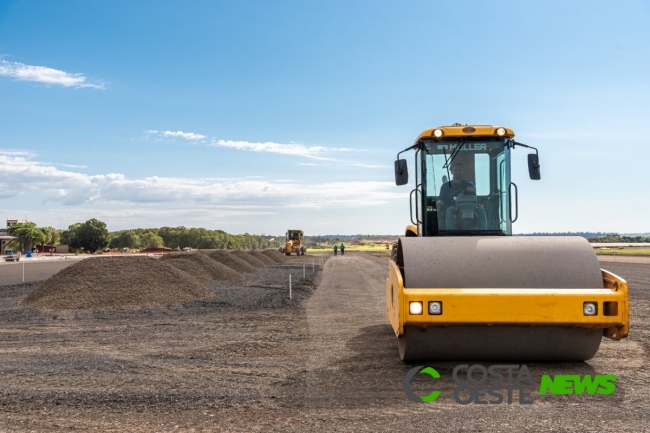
<point x="461" y="287"/>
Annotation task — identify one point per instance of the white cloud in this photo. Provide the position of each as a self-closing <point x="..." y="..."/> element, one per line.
<point x="73" y="166"/>
<point x="15" y="152"/>
<point x="27" y="176"/>
<point x="43" y="74"/>
<point x="185" y="135"/>
<point x="315" y="152"/>
<point x="321" y="153"/>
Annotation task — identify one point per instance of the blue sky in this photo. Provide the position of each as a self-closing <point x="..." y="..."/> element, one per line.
<point x="255" y="116"/>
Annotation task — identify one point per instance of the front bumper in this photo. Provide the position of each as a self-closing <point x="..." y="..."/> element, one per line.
<point x="526" y="307"/>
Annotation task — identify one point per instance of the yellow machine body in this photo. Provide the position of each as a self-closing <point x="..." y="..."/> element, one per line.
<point x="467" y="131"/>
<point x="528" y="307"/>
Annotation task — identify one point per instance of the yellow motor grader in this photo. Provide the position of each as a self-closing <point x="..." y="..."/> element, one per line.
<point x="293" y="243"/>
<point x="461" y="287"/>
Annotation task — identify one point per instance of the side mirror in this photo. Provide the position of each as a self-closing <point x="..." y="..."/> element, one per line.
<point x="401" y="172"/>
<point x="533" y="166"/>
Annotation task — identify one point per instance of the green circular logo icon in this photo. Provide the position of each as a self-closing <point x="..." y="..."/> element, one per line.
<point x="407" y="384"/>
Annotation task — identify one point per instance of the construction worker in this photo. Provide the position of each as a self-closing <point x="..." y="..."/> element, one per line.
<point x="342" y="247"/>
<point x="335" y="248"/>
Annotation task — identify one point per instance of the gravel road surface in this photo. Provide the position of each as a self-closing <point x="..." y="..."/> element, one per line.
<point x="249" y="359"/>
<point x="12" y="273"/>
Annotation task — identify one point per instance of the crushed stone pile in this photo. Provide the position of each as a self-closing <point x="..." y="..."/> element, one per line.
<point x="191" y="267"/>
<point x="189" y="262"/>
<point x="106" y="283"/>
<point x="275" y="255"/>
<point x="262" y="257"/>
<point x="230" y="260"/>
<point x="248" y="258"/>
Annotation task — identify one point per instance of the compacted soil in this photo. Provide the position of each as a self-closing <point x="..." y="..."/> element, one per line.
<point x="251" y="359"/>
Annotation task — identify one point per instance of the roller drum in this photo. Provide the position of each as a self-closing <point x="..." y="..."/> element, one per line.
<point x="499" y="262"/>
<point x="499" y="343"/>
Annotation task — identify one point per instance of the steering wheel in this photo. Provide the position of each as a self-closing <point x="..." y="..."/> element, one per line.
<point x="463" y="191"/>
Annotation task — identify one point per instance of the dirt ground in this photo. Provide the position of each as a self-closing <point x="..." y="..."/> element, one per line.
<point x="250" y="359"/>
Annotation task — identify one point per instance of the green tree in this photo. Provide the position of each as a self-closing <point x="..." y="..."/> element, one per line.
<point x="52" y="235"/>
<point x="125" y="239"/>
<point x="69" y="237"/>
<point x="28" y="235"/>
<point x="152" y="240"/>
<point x="92" y="235"/>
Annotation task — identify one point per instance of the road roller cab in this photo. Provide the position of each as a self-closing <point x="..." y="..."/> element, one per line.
<point x="461" y="287"/>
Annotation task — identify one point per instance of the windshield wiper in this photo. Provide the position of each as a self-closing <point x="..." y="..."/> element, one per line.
<point x="447" y="167"/>
<point x="454" y="153"/>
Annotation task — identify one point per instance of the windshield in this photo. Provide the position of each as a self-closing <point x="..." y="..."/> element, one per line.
<point x="465" y="187"/>
<point x="294" y="236"/>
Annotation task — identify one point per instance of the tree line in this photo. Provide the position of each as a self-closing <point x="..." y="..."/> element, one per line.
<point x="326" y="239"/>
<point x="195" y="237"/>
<point x="586" y="235"/>
<point x="90" y="236"/>
<point x="622" y="239"/>
<point x="93" y="236"/>
<point x="28" y="235"/>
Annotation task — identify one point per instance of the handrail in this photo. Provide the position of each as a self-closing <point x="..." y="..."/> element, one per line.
<point x="516" y="201"/>
<point x="411" y="206"/>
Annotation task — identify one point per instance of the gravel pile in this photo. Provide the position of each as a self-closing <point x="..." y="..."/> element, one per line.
<point x="249" y="258"/>
<point x="191" y="267"/>
<point x="275" y="255"/>
<point x="262" y="257"/>
<point x="115" y="282"/>
<point x="189" y="262"/>
<point x="230" y="260"/>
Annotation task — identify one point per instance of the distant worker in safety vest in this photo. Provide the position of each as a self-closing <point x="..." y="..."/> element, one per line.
<point x="336" y="248"/>
<point x="342" y="248"/>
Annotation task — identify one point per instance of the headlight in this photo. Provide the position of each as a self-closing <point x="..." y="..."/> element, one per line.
<point x="501" y="132"/>
<point x="415" y="308"/>
<point x="590" y="308"/>
<point x="435" y="308"/>
<point x="437" y="133"/>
